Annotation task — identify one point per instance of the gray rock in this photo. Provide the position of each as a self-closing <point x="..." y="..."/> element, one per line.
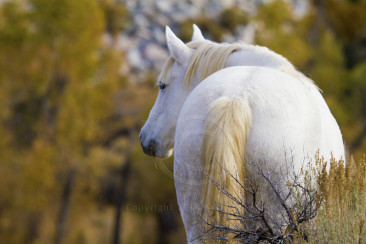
<point x="144" y="41"/>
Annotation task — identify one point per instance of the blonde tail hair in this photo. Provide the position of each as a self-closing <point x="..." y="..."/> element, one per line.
<point x="223" y="149"/>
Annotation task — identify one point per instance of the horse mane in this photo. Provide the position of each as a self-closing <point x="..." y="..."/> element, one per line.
<point x="209" y="57"/>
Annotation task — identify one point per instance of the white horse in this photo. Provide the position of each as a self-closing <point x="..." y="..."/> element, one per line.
<point x="222" y="105"/>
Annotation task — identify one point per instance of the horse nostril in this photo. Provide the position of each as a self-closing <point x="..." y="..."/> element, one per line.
<point x="152" y="147"/>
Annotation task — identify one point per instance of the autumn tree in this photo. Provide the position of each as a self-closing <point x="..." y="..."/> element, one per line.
<point x="57" y="79"/>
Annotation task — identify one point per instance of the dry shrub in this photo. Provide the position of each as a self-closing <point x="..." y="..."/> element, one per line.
<point x="341" y="218"/>
<point x="326" y="206"/>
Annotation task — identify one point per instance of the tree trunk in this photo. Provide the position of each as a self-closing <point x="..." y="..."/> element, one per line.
<point x="120" y="200"/>
<point x="65" y="204"/>
<point x="166" y="224"/>
<point x="121" y="190"/>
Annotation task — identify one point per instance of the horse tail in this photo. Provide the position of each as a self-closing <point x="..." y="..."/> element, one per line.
<point x="223" y="149"/>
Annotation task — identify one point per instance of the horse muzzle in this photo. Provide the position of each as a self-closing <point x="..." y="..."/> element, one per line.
<point x="149" y="147"/>
<point x="153" y="147"/>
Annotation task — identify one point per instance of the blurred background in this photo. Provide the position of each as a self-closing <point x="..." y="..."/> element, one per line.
<point x="76" y="85"/>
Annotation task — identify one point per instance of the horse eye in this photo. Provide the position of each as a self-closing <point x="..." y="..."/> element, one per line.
<point x="162" y="86"/>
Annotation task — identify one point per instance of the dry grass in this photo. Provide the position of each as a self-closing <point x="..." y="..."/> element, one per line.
<point x="328" y="206"/>
<point x="341" y="218"/>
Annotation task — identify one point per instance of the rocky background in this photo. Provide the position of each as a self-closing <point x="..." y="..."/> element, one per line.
<point x="144" y="41"/>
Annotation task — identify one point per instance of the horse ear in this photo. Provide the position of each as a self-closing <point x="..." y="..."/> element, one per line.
<point x="177" y="49"/>
<point x="197" y="34"/>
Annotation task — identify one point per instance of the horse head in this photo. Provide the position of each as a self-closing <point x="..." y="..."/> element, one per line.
<point x="157" y="135"/>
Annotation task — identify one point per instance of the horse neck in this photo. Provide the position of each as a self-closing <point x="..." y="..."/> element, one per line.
<point x="253" y="55"/>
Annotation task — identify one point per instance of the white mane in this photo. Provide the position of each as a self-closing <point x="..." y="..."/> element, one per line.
<point x="209" y="57"/>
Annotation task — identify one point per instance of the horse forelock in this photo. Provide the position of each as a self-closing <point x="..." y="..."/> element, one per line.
<point x="165" y="73"/>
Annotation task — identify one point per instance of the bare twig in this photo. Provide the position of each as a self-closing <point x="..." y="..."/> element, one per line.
<point x="257" y="222"/>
